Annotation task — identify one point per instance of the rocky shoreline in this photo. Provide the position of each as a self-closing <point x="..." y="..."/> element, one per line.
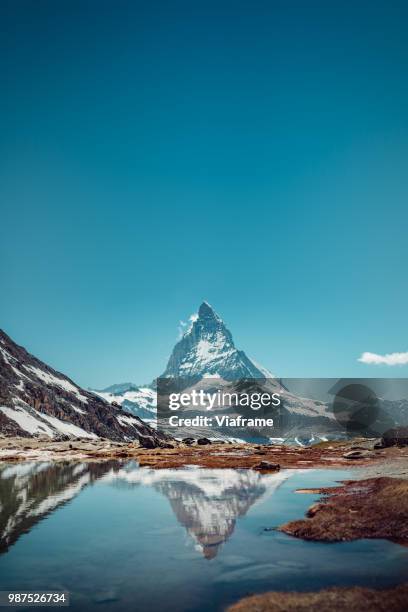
<point x="367" y="508"/>
<point x="362" y="453"/>
<point x="374" y="505"/>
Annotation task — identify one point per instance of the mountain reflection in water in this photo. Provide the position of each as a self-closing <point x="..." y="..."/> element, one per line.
<point x="30" y="491"/>
<point x="206" y="502"/>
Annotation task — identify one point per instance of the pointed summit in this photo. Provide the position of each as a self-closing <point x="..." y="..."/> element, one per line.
<point x="206" y="311"/>
<point x="207" y="349"/>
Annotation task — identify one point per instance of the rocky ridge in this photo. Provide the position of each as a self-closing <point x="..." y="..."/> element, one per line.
<point x="36" y="400"/>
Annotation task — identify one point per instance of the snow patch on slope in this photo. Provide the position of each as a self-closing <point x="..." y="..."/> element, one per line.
<point x="33" y="425"/>
<point x="26" y="421"/>
<point x="67" y="428"/>
<point x="50" y="379"/>
<point x="128" y="420"/>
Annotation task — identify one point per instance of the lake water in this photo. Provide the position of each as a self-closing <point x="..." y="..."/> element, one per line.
<point x="119" y="537"/>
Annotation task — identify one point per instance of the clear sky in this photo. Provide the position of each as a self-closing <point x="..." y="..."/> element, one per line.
<point x="253" y="154"/>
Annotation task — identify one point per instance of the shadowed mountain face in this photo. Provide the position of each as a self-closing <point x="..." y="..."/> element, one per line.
<point x="37" y="400"/>
<point x="207" y="503"/>
<point x="206" y="358"/>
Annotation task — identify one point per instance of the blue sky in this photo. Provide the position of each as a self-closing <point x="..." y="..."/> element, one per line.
<point x="253" y="154"/>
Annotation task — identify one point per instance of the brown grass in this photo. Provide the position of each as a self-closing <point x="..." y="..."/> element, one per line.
<point x="371" y="508"/>
<point x="355" y="599"/>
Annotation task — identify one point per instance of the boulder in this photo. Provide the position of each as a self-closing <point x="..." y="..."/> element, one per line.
<point x="314" y="509"/>
<point x="366" y="444"/>
<point x="265" y="466"/>
<point x="61" y="438"/>
<point x="378" y="444"/>
<point x="188" y="441"/>
<point x="357" y="454"/>
<point x="147" y="442"/>
<point x="398" y="436"/>
<point x="203" y="441"/>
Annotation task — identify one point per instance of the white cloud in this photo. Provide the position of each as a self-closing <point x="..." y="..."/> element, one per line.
<point x="390" y="359"/>
<point x="184" y="327"/>
<point x="181" y="329"/>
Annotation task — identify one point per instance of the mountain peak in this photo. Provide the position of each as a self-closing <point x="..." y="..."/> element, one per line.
<point x="207" y="349"/>
<point x="207" y="311"/>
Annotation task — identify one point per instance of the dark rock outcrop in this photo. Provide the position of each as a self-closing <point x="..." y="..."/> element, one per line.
<point x="37" y="400"/>
<point x="396" y="437"/>
<point x="203" y="441"/>
<point x="267" y="466"/>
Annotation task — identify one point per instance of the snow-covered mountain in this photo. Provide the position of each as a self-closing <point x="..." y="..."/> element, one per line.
<point x="207" y="356"/>
<point x="37" y="400"/>
<point x="207" y="349"/>
<point x="138" y="400"/>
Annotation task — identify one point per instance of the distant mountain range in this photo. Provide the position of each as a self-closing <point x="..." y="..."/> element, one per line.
<point x="207" y="350"/>
<point x="37" y="400"/>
